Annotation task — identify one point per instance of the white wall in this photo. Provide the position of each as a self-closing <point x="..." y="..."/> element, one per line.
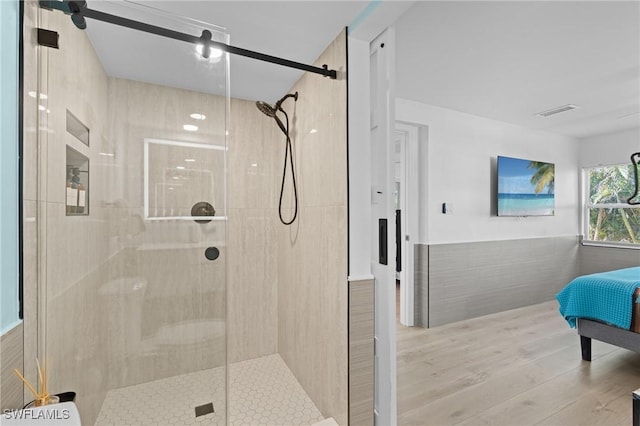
<point x="611" y="148"/>
<point x="462" y="151"/>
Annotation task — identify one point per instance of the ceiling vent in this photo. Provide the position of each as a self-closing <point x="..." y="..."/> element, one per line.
<point x="557" y="110"/>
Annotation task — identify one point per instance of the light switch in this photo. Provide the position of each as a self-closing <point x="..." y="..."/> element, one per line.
<point x="376" y="195"/>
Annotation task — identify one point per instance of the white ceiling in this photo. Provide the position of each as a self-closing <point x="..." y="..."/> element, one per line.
<point x="295" y="30"/>
<point x="510" y="60"/>
<point x="505" y="60"/>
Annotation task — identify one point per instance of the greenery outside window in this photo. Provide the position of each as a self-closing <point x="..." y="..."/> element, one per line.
<point x="608" y="218"/>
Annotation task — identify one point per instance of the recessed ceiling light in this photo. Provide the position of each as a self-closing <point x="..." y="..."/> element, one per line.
<point x="254" y="165"/>
<point x="190" y="160"/>
<point x="41" y="108"/>
<point x="197" y="116"/>
<point x="176" y="177"/>
<point x="108" y="154"/>
<point x="313" y="131"/>
<point x="180" y="167"/>
<point x="557" y="110"/>
<point x="190" y="127"/>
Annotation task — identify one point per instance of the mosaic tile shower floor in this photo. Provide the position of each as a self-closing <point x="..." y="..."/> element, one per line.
<point x="262" y="391"/>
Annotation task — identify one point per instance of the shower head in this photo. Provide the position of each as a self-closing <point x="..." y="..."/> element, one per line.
<point x="271" y="111"/>
<point x="266" y="109"/>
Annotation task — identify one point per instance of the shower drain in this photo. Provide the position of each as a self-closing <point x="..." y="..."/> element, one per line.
<point x="204" y="409"/>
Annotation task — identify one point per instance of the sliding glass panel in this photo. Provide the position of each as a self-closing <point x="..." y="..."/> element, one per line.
<point x="133" y="199"/>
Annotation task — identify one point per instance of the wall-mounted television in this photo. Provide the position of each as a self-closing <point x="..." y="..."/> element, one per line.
<point x="525" y="187"/>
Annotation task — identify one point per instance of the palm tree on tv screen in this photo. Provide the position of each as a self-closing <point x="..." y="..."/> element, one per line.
<point x="543" y="177"/>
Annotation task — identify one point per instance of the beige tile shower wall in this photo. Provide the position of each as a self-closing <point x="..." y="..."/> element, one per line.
<point x="251" y="200"/>
<point x="255" y="147"/>
<point x="173" y="323"/>
<point x="312" y="264"/>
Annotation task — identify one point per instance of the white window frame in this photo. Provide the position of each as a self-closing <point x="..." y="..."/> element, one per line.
<point x="586" y="206"/>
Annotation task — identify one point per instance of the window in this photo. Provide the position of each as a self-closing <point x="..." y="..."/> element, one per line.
<point x="608" y="218"/>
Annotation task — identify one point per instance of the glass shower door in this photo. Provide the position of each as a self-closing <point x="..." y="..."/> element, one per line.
<point x="132" y="207"/>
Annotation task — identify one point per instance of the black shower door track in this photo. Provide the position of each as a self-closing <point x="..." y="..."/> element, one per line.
<point x="79" y="10"/>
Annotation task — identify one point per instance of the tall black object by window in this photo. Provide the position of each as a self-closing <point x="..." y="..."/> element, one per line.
<point x="79" y="11"/>
<point x="634" y="200"/>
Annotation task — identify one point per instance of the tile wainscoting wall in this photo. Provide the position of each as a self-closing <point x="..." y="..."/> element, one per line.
<point x="599" y="259"/>
<point x="467" y="280"/>
<point x="361" y="347"/>
<point x="11" y="357"/>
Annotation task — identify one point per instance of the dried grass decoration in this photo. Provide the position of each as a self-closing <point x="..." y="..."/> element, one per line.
<point x="40" y="398"/>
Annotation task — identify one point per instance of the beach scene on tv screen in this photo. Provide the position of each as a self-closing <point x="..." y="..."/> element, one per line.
<point x="525" y="188"/>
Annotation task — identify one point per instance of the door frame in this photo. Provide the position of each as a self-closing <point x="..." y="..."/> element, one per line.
<point x="382" y="77"/>
<point x="409" y="217"/>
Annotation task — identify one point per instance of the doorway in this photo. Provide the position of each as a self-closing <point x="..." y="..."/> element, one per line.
<point x="407" y="203"/>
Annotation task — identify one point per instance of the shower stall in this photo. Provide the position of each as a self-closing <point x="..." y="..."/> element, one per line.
<point x="161" y="286"/>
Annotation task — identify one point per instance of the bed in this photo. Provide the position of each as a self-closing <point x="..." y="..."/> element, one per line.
<point x="604" y="307"/>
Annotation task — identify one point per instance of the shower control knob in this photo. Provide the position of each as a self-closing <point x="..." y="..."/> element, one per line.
<point x="212" y="253"/>
<point x="202" y="209"/>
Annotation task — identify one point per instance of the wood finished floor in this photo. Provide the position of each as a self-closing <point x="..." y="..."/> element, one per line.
<point x="520" y="367"/>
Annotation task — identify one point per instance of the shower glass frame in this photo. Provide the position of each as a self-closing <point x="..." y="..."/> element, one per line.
<point x="85" y="358"/>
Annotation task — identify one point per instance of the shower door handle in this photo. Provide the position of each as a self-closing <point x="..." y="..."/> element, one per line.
<point x="212" y="253"/>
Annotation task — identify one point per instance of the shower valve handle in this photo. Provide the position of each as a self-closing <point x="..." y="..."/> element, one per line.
<point x="212" y="253"/>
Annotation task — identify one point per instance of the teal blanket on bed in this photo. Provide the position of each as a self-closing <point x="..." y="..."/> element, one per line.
<point x="607" y="297"/>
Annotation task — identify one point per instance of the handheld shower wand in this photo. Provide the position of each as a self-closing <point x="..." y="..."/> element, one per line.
<point x="272" y="111"/>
